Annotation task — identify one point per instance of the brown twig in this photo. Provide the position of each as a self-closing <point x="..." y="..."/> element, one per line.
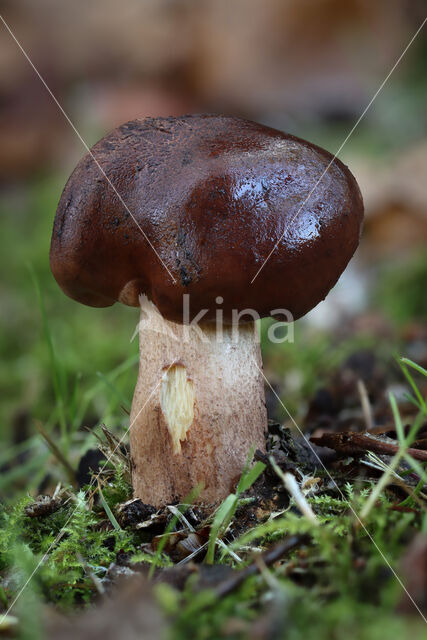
<point x="57" y="453"/>
<point x="269" y="557"/>
<point x="350" y="443"/>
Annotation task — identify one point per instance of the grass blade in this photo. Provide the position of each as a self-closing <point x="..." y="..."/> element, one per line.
<point x="414" y="365"/>
<point x="108" y="511"/>
<point x="248" y="478"/>
<point x="220" y="523"/>
<point x="57" y="374"/>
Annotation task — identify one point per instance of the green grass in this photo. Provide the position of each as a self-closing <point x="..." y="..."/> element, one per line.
<point x="342" y="584"/>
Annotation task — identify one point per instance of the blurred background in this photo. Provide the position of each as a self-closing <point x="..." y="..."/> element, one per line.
<point x="309" y="67"/>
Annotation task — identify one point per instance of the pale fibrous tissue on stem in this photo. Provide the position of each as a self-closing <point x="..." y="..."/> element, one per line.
<point x="192" y="206"/>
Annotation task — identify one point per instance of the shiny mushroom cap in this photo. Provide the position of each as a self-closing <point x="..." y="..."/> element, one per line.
<point x="203" y="200"/>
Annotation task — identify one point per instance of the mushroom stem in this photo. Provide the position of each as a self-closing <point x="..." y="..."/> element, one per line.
<point x="197" y="410"/>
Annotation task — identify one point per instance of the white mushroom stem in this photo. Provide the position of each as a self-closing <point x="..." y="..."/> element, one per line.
<point x="197" y="410"/>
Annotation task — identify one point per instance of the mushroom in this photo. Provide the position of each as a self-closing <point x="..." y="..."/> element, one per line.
<point x="246" y="220"/>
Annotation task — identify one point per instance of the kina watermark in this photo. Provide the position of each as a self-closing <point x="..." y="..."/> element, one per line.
<point x="209" y="325"/>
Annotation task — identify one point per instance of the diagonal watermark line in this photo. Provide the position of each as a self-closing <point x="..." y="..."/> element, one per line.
<point x="68" y="119"/>
<point x="344" y="499"/>
<point x="350" y="133"/>
<point x="70" y="517"/>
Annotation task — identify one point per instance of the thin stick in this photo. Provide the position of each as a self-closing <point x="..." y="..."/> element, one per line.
<point x="57" y="453"/>
<point x="268" y="558"/>
<point x="350" y="443"/>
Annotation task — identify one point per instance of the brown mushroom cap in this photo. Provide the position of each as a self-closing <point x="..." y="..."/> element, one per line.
<point x="213" y="194"/>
